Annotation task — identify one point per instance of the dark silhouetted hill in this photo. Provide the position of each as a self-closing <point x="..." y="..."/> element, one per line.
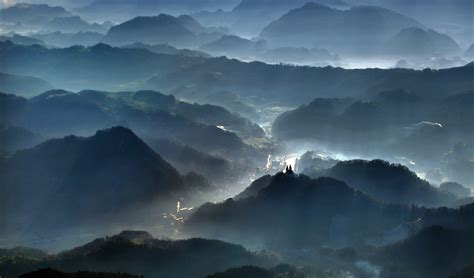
<point x="275" y="209"/>
<point x="154" y="258"/>
<point x="425" y="254"/>
<point x="51" y="273"/>
<point x="76" y="181"/>
<point x="388" y="182"/>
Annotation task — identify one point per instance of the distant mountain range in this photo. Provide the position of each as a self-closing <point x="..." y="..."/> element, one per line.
<point x="392" y="124"/>
<point x="107" y="68"/>
<point x="73" y="24"/>
<point x="347" y="31"/>
<point x="60" y="39"/>
<point x="32" y="13"/>
<point x="22" y="40"/>
<point x="418" y="42"/>
<point x="168" y="49"/>
<point x="151" y="114"/>
<point x="183" y="31"/>
<point x="25" y="86"/>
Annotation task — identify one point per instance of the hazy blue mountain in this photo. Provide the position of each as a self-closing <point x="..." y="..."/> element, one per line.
<point x="100" y="65"/>
<point x="455" y="188"/>
<point x="233" y="102"/>
<point x="121" y="10"/>
<point x="393" y="123"/>
<point x="150" y="114"/>
<point x="74" y="24"/>
<point x="22" y="40"/>
<point x="314" y="161"/>
<point x="234" y="46"/>
<point x="32" y="13"/>
<point x="13" y="138"/>
<point x="152" y="258"/>
<point x="252" y="16"/>
<point x="284" y="84"/>
<point x="349" y="31"/>
<point x="70" y="181"/>
<point x="107" y="68"/>
<point x="470" y="51"/>
<point x="60" y="39"/>
<point x="206" y="113"/>
<point x="298" y="55"/>
<point x="388" y="182"/>
<point x="162" y="29"/>
<point x="168" y="49"/>
<point x="183" y="31"/>
<point x="25" y="86"/>
<point x="418" y="42"/>
<point x="186" y="159"/>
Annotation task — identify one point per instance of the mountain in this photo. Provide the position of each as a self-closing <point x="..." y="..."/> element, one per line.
<point x="234" y="46"/>
<point x="470" y="51"/>
<point x="418" y="42"/>
<point x="183" y="31"/>
<point x="70" y="181"/>
<point x="331" y="212"/>
<point x="278" y="84"/>
<point x="168" y="49"/>
<point x="394" y="123"/>
<point x="282" y="270"/>
<point x="289" y="211"/>
<point x="13" y="138"/>
<point x="425" y="253"/>
<point x="108" y="68"/>
<point x="25" y="86"/>
<point x="455" y="188"/>
<point x="205" y="113"/>
<point x="151" y="114"/>
<point x="252" y="16"/>
<point x="33" y="14"/>
<point x="298" y="55"/>
<point x="152" y="258"/>
<point x="48" y="272"/>
<point x="186" y="159"/>
<point x="348" y="31"/>
<point x="22" y="40"/>
<point x="118" y="11"/>
<point x="60" y="39"/>
<point x="74" y="24"/>
<point x="388" y="182"/>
